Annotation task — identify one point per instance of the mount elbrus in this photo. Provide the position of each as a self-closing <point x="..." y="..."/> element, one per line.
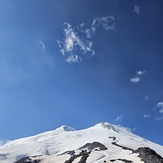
<point x="102" y="143"/>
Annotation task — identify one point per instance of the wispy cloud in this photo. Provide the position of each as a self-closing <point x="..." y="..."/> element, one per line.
<point x="119" y="119"/>
<point x="73" y="58"/>
<point x="135" y="79"/>
<point x="146" y="115"/>
<point x="42" y="44"/>
<point x="78" y="40"/>
<point x="127" y="128"/>
<point x="160" y="104"/>
<point x="140" y="73"/>
<point x="159" y="118"/>
<point x="88" y="33"/>
<point x="160" y="107"/>
<point x="146" y="98"/>
<point x="73" y="43"/>
<point x="138" y="76"/>
<point x="49" y="60"/>
<point x="136" y="9"/>
<point x="106" y="22"/>
<point x="160" y="111"/>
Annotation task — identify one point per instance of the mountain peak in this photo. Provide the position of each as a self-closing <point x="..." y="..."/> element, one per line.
<point x="64" y="128"/>
<point x="103" y="142"/>
<point x="103" y="124"/>
<point x="116" y="128"/>
<point x="108" y="126"/>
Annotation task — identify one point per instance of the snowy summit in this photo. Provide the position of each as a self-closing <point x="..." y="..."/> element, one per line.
<point x="100" y="143"/>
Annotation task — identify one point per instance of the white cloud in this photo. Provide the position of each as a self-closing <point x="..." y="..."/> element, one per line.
<point x="42" y="44"/>
<point x="88" y="33"/>
<point x="138" y="76"/>
<point x="160" y="107"/>
<point x="159" y="110"/>
<point x="160" y="104"/>
<point x="119" y="118"/>
<point x="136" y="9"/>
<point x="127" y="128"/>
<point x="73" y="58"/>
<point x="82" y="25"/>
<point x="74" y="43"/>
<point x="107" y="22"/>
<point x="141" y="72"/>
<point x="136" y="79"/>
<point x="72" y="40"/>
<point x="78" y="39"/>
<point x="146" y="115"/>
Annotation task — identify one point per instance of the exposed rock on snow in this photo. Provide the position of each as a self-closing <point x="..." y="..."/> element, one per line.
<point x="94" y="145"/>
<point x="123" y="160"/>
<point x="148" y="155"/>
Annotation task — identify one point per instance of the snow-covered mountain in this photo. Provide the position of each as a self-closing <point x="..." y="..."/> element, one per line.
<point x="101" y="143"/>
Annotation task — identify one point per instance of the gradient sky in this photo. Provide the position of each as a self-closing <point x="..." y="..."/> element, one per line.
<point x="80" y="62"/>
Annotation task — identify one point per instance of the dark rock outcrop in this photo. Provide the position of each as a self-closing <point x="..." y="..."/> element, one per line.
<point x="68" y="152"/>
<point x="94" y="145"/>
<point x="112" y="137"/>
<point x="123" y="147"/>
<point x="123" y="160"/>
<point x="28" y="160"/>
<point x="148" y="155"/>
<point x="145" y="153"/>
<point x="84" y="157"/>
<point x="83" y="154"/>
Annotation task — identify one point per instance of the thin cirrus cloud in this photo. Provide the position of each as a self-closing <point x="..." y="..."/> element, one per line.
<point x="138" y="76"/>
<point x="119" y="119"/>
<point x="158" y="112"/>
<point x="136" y="9"/>
<point x="146" y="115"/>
<point x="78" y="40"/>
<point x="161" y="111"/>
<point x="146" y="98"/>
<point x="159" y="106"/>
<point x="42" y="44"/>
<point x="159" y="118"/>
<point x="108" y="23"/>
<point x="47" y="57"/>
<point x="73" y="58"/>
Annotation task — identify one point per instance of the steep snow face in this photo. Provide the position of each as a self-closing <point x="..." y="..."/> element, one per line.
<point x="102" y="142"/>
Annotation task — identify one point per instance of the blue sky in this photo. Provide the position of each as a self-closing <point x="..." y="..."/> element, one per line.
<point x="81" y="62"/>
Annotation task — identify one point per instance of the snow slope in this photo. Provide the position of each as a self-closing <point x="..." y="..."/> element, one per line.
<point x="52" y="146"/>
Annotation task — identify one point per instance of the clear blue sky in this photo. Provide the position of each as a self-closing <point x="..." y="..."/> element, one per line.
<point x="80" y="62"/>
